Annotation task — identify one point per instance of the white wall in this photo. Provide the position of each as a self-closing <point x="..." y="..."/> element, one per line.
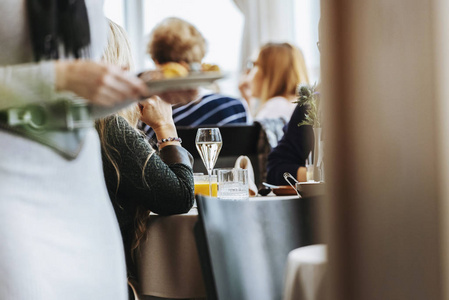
<point x="115" y="10"/>
<point x="307" y="16"/>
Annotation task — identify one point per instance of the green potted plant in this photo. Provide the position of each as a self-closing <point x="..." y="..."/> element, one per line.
<point x="308" y="96"/>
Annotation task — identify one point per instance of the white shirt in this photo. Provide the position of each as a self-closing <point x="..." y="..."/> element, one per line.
<point x="276" y="107"/>
<point x="23" y="81"/>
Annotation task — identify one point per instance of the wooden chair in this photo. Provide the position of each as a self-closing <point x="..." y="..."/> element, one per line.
<point x="243" y="245"/>
<point x="237" y="140"/>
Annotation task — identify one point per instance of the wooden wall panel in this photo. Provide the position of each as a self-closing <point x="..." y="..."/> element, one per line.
<point x="441" y="35"/>
<point x="379" y="71"/>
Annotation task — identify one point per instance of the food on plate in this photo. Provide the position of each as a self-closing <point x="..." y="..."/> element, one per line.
<point x="209" y="68"/>
<point x="165" y="71"/>
<point x="173" y="69"/>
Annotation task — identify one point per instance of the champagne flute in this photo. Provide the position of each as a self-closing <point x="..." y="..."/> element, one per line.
<point x="208" y="143"/>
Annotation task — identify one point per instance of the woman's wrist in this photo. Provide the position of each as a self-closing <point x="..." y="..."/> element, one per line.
<point x="301" y="174"/>
<point x="168" y="140"/>
<point x="164" y="128"/>
<point x="164" y="132"/>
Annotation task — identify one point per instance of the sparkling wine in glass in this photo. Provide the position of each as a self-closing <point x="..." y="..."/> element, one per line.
<point x="208" y="143"/>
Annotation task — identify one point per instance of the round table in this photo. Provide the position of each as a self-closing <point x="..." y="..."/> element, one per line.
<point x="168" y="262"/>
<point x="304" y="278"/>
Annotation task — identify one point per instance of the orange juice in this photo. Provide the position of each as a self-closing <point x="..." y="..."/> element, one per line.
<point x="202" y="188"/>
<point x="202" y="184"/>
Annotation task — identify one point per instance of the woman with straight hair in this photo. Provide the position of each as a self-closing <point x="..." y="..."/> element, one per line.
<point x="138" y="179"/>
<point x="273" y="79"/>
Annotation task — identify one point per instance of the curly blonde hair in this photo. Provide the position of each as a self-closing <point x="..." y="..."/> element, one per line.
<point x="176" y="40"/>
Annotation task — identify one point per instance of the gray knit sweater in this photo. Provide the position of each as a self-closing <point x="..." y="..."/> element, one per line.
<point x="165" y="188"/>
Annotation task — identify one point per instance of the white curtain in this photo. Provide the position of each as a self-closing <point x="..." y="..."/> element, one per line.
<point x="265" y="21"/>
<point x="134" y="20"/>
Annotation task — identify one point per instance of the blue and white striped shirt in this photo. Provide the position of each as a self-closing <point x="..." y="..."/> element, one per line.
<point x="210" y="109"/>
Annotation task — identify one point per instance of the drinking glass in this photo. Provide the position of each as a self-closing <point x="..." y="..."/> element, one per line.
<point x="233" y="184"/>
<point x="202" y="184"/>
<point x="208" y="143"/>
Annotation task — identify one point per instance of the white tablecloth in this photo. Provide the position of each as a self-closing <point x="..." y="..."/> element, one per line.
<point x="168" y="262"/>
<point x="304" y="278"/>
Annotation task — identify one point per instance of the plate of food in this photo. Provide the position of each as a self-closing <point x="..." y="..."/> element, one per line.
<point x="175" y="76"/>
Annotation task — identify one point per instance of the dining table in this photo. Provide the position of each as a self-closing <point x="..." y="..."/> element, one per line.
<point x="168" y="264"/>
<point x="305" y="273"/>
<point x="167" y="261"/>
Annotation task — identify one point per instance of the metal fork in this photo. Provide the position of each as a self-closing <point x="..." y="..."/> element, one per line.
<point x="288" y="176"/>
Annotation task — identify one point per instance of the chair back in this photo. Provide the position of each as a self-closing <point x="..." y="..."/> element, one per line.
<point x="237" y="140"/>
<point x="243" y="245"/>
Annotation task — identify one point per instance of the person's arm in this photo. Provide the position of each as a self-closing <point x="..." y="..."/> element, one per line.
<point x="100" y="84"/>
<point x="291" y="152"/>
<point x="301" y="174"/>
<point x="27" y="83"/>
<point x="158" y="115"/>
<point x="162" y="184"/>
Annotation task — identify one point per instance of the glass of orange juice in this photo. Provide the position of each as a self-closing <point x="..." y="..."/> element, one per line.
<point x="202" y="184"/>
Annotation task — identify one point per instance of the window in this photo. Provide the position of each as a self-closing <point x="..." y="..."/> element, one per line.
<point x="307" y="16"/>
<point x="115" y="10"/>
<point x="221" y="23"/>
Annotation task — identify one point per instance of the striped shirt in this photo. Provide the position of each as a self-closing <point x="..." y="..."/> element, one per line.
<point x="210" y="109"/>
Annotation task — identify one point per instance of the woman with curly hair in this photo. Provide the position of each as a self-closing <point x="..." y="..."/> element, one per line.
<point x="175" y="40"/>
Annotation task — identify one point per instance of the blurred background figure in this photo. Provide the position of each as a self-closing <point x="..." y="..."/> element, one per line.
<point x="293" y="149"/>
<point x="270" y="86"/>
<point x="138" y="179"/>
<point x="175" y="40"/>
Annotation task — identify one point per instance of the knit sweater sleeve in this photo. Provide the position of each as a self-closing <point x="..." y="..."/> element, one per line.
<point x="162" y="184"/>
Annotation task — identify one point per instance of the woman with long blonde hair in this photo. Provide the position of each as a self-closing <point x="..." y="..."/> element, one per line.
<point x="138" y="179"/>
<point x="276" y="73"/>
